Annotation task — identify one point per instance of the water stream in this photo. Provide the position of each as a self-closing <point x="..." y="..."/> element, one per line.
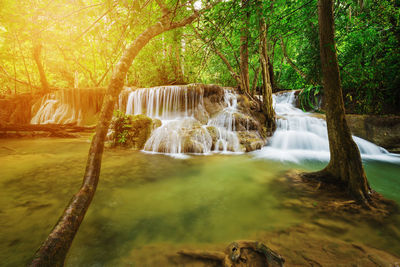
<point x="182" y="131"/>
<point x="149" y="205"/>
<point x="303" y="136"/>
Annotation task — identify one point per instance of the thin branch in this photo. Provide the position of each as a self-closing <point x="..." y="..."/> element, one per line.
<point x="94" y="23"/>
<point x="223" y="58"/>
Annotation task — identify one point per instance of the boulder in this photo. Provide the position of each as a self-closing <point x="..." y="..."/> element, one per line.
<point x="187" y="135"/>
<point x="384" y="131"/>
<point x="245" y="122"/>
<point x="130" y="131"/>
<point x="251" y="140"/>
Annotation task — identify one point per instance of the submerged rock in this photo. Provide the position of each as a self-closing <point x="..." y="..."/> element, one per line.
<point x="238" y="253"/>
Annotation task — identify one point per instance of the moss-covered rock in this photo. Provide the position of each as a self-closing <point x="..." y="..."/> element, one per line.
<point x="251" y="140"/>
<point x="130" y="131"/>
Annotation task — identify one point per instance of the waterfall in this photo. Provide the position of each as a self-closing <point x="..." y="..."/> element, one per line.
<point x="303" y="136"/>
<point x="166" y="102"/>
<point x="224" y="122"/>
<point x="186" y="126"/>
<point x="75" y="106"/>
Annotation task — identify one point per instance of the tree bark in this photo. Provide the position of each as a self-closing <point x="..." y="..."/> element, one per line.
<point x="265" y="74"/>
<point x="37" y="50"/>
<point x="23" y="60"/>
<point x="244" y="49"/>
<point x="54" y="249"/>
<point x="255" y="80"/>
<point x="345" y="166"/>
<point x="177" y="44"/>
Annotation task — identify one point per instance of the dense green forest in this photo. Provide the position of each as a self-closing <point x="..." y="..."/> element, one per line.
<point x="79" y="42"/>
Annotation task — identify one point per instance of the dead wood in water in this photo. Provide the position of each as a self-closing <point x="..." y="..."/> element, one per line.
<point x="239" y="253"/>
<point x="43" y="130"/>
<point x="46" y="127"/>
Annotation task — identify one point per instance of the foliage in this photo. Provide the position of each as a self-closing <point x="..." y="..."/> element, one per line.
<point x="130" y="131"/>
<point x="120" y="125"/>
<point x="82" y="40"/>
<point x="309" y="98"/>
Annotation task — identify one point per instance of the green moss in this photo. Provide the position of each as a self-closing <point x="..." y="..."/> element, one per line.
<point x="131" y="131"/>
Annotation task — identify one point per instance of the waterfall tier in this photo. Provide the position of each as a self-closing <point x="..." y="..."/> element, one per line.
<point x="75" y="106"/>
<point x="195" y="119"/>
<point x="301" y="136"/>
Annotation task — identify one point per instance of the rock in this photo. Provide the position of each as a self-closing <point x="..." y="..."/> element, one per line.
<point x="251" y="140"/>
<point x="212" y="107"/>
<point x="16" y="109"/>
<point x="239" y="253"/>
<point x="130" y="131"/>
<point x="142" y="127"/>
<point x="214" y="135"/>
<point x="382" y="130"/>
<point x="201" y="115"/>
<point x="156" y="123"/>
<point x="245" y="123"/>
<point x="187" y="134"/>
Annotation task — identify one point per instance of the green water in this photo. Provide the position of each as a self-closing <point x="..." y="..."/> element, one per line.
<point x="144" y="199"/>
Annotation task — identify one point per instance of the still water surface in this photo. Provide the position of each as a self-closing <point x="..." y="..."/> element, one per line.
<point x="153" y="200"/>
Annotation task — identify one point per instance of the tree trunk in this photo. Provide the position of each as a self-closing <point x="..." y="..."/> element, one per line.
<point x="177" y="43"/>
<point x="345" y="166"/>
<point x="54" y="249"/>
<point x="23" y="60"/>
<point x="244" y="49"/>
<point x="255" y="80"/>
<point x="265" y="73"/>
<point x="37" y="50"/>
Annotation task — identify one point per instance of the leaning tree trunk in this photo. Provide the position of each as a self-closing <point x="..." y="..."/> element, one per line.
<point x="37" y="49"/>
<point x="265" y="73"/>
<point x="345" y="166"/>
<point x="54" y="249"/>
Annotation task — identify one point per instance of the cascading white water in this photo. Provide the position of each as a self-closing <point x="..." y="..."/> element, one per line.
<point x="167" y="102"/>
<point x="224" y="122"/>
<point x="302" y="136"/>
<point x="64" y="106"/>
<point x="54" y="109"/>
<point x="178" y="108"/>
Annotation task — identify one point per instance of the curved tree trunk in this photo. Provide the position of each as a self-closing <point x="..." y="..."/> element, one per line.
<point x="54" y="249"/>
<point x="345" y="166"/>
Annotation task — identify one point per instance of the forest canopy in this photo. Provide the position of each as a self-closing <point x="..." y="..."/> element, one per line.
<point x="79" y="42"/>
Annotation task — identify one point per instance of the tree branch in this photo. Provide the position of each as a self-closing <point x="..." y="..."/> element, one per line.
<point x="291" y="63"/>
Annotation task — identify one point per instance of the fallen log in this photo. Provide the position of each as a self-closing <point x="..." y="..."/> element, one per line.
<point x="43" y="130"/>
<point x="70" y="128"/>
